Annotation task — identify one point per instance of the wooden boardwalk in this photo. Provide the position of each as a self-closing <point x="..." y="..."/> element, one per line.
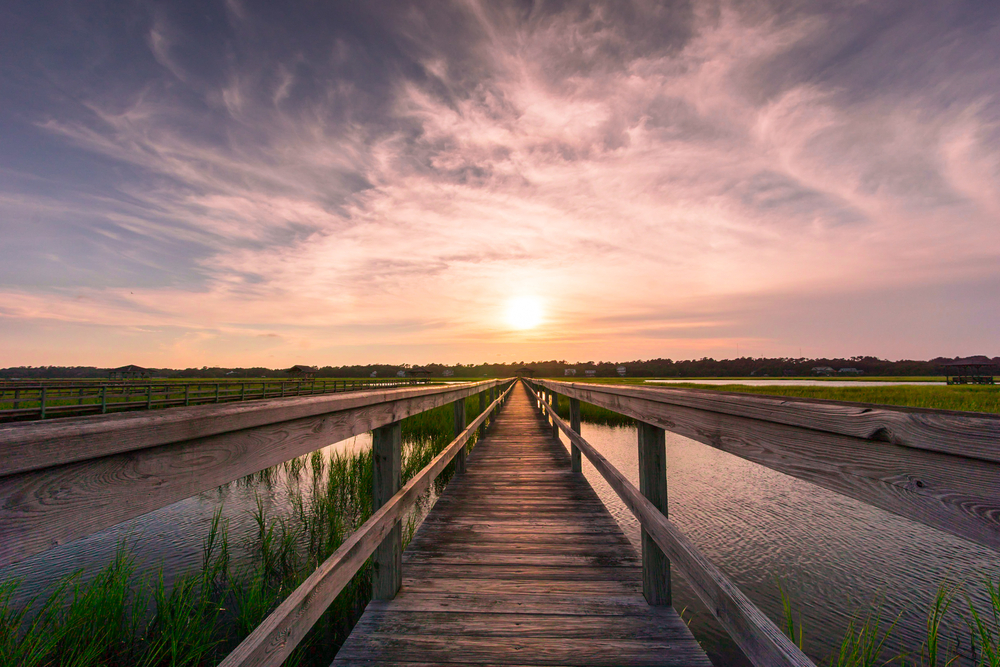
<point x="519" y="563"/>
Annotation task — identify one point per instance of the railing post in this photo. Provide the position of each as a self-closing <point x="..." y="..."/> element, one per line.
<point x="482" y="408"/>
<point x="104" y="399"/>
<point x="187" y="395"/>
<point x="653" y="485"/>
<point x="574" y="422"/>
<point x="459" y="427"/>
<point x="387" y="561"/>
<point x="554" y="411"/>
<point x="42" y="405"/>
<point x="216" y="392"/>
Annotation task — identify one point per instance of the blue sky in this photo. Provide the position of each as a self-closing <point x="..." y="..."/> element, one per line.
<point x="238" y="183"/>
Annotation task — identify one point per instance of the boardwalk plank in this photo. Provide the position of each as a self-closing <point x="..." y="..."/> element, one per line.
<point x="519" y="563"/>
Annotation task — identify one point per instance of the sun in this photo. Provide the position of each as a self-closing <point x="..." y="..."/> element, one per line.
<point x="524" y="312"/>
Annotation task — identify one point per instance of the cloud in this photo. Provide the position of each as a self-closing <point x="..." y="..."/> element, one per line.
<point x="387" y="177"/>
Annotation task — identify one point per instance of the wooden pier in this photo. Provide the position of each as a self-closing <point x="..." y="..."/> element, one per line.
<point x="520" y="563"/>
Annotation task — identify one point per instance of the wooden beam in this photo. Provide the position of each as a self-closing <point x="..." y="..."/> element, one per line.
<point x="555" y="410"/>
<point x="387" y="561"/>
<point x="36" y="445"/>
<point x="459" y="427"/>
<point x="970" y="434"/>
<point x="653" y="486"/>
<point x="42" y="508"/>
<point x="761" y="641"/>
<point x="272" y="641"/>
<point x="574" y="421"/>
<point x="482" y="408"/>
<point x="955" y="493"/>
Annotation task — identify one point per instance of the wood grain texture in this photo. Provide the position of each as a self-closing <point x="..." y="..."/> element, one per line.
<point x="653" y="486"/>
<point x="37" y="445"/>
<point x="43" y="508"/>
<point x="574" y="422"/>
<point x="520" y="563"/>
<point x="387" y="563"/>
<point x="274" y="639"/>
<point x="761" y="641"/>
<point x="954" y="493"/>
<point x="970" y="434"/>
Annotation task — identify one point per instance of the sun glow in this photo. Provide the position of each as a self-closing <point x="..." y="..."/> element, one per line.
<point x="524" y="312"/>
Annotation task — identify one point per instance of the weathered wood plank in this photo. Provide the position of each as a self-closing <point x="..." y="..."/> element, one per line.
<point x="969" y="434"/>
<point x="274" y="639"/>
<point x="43" y="508"/>
<point x="36" y="445"/>
<point x="519" y="562"/>
<point x="547" y="572"/>
<point x="387" y="564"/>
<point x="536" y="650"/>
<point x="385" y="621"/>
<point x="653" y="485"/>
<point x="957" y="492"/>
<point x="761" y="641"/>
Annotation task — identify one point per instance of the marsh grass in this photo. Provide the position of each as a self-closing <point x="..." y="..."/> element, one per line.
<point x="867" y="638"/>
<point x="967" y="398"/>
<point x="593" y="414"/>
<point x="119" y="618"/>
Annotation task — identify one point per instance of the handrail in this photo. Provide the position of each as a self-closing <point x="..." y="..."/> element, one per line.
<point x="55" y="399"/>
<point x="937" y="467"/>
<point x="761" y="641"/>
<point x="276" y="637"/>
<point x="66" y="479"/>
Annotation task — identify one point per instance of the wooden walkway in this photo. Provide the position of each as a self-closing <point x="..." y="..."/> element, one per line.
<point x="519" y="563"/>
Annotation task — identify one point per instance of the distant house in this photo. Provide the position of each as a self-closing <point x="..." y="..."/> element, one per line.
<point x="401" y="374"/>
<point x="448" y="373"/>
<point x="590" y="374"/>
<point x="419" y="372"/>
<point x="374" y="374"/>
<point x="569" y="371"/>
<point x="823" y="370"/>
<point x="302" y="372"/>
<point x="621" y="371"/>
<point x="524" y="370"/>
<point x="130" y="372"/>
<point x="850" y="371"/>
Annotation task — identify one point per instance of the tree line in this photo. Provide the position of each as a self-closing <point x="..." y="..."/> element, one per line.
<point x="704" y="367"/>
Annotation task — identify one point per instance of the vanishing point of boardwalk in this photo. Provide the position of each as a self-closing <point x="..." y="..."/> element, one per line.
<point x="519" y="563"/>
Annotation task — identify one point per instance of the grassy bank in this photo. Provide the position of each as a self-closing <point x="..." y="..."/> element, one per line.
<point x="969" y="398"/>
<point x="121" y="617"/>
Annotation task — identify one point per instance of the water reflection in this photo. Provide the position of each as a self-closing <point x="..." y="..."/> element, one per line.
<point x="832" y="554"/>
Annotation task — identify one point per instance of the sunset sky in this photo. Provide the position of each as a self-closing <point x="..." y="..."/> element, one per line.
<point x="246" y="183"/>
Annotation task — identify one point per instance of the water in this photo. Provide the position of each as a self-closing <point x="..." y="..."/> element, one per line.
<point x="833" y="555"/>
<point x="171" y="537"/>
<point x="775" y="382"/>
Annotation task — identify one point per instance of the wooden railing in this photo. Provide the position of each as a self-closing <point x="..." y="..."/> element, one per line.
<point x="381" y="536"/>
<point x="44" y="400"/>
<point x="937" y="467"/>
<point x="61" y="480"/>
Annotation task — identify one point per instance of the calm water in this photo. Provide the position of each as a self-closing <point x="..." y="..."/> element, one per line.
<point x="832" y="554"/>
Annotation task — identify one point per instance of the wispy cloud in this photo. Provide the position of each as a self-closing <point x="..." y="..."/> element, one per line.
<point x="374" y="183"/>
